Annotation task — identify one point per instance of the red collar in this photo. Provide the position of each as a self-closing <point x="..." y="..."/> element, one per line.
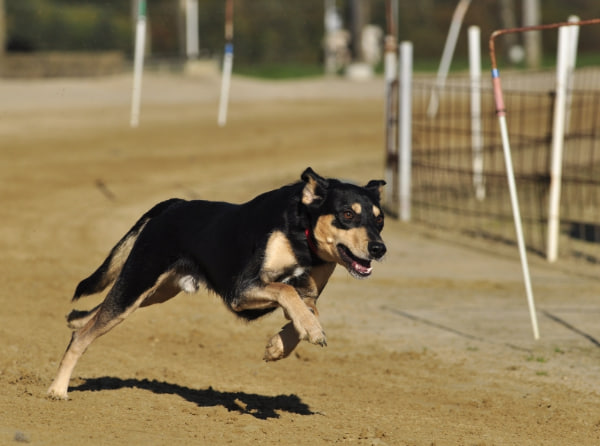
<point x="311" y="243"/>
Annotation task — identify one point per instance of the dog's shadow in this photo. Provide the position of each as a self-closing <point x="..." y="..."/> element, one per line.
<point x="259" y="406"/>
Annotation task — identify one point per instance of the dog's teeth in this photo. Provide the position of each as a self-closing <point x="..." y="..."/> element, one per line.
<point x="361" y="268"/>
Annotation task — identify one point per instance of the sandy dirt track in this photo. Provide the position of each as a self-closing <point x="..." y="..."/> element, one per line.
<point x="434" y="349"/>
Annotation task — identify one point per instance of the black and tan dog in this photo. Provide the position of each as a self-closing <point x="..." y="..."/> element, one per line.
<point x="277" y="250"/>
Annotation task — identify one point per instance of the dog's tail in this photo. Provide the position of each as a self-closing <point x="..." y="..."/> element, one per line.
<point x="77" y="319"/>
<point x="112" y="265"/>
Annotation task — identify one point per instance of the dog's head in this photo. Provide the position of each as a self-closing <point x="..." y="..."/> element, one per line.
<point x="346" y="221"/>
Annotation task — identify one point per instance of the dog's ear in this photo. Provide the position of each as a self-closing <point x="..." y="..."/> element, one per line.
<point x="376" y="187"/>
<point x="315" y="189"/>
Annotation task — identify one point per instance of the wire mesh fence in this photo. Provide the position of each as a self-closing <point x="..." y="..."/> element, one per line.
<point x="445" y="180"/>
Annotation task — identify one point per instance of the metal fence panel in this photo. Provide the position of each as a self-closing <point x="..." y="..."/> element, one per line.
<point x="443" y="176"/>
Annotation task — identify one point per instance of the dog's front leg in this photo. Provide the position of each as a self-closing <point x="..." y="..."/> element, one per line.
<point x="304" y="321"/>
<point x="284" y="342"/>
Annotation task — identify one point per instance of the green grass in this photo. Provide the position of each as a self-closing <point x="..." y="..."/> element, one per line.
<point x="275" y="71"/>
<point x="432" y="65"/>
<point x="539" y="359"/>
<point x="298" y="71"/>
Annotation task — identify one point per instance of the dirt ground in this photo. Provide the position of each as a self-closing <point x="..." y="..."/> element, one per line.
<point x="435" y="348"/>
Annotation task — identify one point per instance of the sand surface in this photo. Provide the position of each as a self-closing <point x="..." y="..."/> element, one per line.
<point x="435" y="348"/>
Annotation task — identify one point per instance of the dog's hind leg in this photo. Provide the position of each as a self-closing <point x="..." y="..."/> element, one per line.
<point x="100" y="321"/>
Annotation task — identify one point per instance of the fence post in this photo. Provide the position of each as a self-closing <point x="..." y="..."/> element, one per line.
<point x="405" y="129"/>
<point x="558" y="133"/>
<point x="476" y="128"/>
<point x="573" y="43"/>
<point x="192" y="44"/>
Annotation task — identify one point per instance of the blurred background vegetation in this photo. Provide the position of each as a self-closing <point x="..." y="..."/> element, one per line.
<point x="268" y="33"/>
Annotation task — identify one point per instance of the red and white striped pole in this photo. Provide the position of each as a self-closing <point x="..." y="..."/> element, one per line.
<point x="510" y="174"/>
<point x="501" y="113"/>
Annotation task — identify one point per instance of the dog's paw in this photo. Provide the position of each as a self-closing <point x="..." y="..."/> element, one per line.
<point x="312" y="332"/>
<point x="274" y="350"/>
<point x="318" y="339"/>
<point x="55" y="394"/>
<point x="282" y="344"/>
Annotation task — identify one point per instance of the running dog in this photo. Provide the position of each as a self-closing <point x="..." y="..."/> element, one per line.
<point x="277" y="250"/>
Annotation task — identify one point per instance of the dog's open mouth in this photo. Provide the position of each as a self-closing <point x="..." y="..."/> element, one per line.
<point x="358" y="267"/>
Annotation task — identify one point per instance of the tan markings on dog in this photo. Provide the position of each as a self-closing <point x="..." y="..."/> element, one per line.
<point x="356" y="207"/>
<point x="323" y="236"/>
<point x="317" y="279"/>
<point x="320" y="275"/>
<point x="305" y="323"/>
<point x="167" y="286"/>
<point x="120" y="256"/>
<point x="309" y="193"/>
<point x="279" y="256"/>
<point x="376" y="211"/>
<point x="328" y="237"/>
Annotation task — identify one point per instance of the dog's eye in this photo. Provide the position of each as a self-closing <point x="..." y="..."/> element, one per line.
<point x="348" y="215"/>
<point x="379" y="220"/>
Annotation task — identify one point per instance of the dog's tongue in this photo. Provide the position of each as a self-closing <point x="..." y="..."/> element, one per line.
<point x="363" y="269"/>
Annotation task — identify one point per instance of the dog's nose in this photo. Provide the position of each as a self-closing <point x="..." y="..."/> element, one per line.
<point x="377" y="249"/>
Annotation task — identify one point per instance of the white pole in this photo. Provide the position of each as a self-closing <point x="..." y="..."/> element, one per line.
<point x="574" y="41"/>
<point x="572" y="59"/>
<point x="476" y="126"/>
<point x="191" y="29"/>
<point x="449" y="46"/>
<point x="225" y="84"/>
<point x="138" y="63"/>
<point x="514" y="200"/>
<point x="227" y="64"/>
<point x="404" y="129"/>
<point x="519" y="229"/>
<point x="558" y="134"/>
